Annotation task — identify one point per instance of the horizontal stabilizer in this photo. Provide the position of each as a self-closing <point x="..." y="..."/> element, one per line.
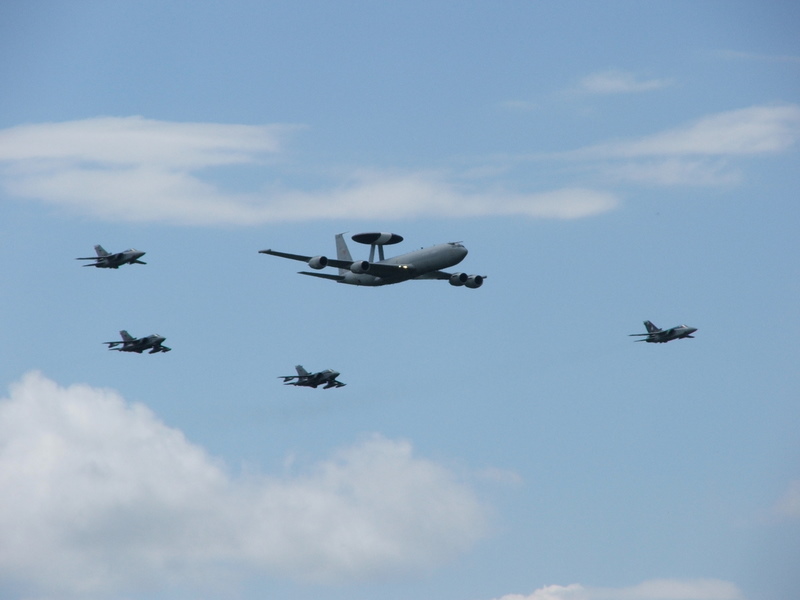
<point x="323" y="275"/>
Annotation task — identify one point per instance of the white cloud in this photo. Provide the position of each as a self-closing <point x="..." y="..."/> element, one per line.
<point x="700" y="153"/>
<point x="135" y="169"/>
<point x="656" y="589"/>
<point x="674" y="171"/>
<point x="614" y="81"/>
<point x="788" y="506"/>
<point x="744" y="132"/>
<point x="98" y="495"/>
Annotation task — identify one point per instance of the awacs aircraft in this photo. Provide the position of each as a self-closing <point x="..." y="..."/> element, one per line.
<point x="662" y="336"/>
<point x="306" y="379"/>
<point x="106" y="260"/>
<point x="426" y="263"/>
<point x="139" y="345"/>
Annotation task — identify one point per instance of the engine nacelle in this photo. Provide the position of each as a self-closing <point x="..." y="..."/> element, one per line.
<point x="360" y="266"/>
<point x="318" y="262"/>
<point x="458" y="279"/>
<point x="474" y="281"/>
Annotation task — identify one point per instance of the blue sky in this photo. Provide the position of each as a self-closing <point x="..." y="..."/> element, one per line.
<point x="604" y="163"/>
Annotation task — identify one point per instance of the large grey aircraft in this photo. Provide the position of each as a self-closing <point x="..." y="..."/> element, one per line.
<point x="662" y="336"/>
<point x="306" y="379"/>
<point x="426" y="263"/>
<point x="106" y="260"/>
<point x="139" y="345"/>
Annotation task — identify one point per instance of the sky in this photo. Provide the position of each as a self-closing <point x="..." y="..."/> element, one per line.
<point x="604" y="164"/>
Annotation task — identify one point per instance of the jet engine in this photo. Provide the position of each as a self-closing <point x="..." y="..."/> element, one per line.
<point x="458" y="279"/>
<point x="360" y="266"/>
<point x="474" y="281"/>
<point x="318" y="262"/>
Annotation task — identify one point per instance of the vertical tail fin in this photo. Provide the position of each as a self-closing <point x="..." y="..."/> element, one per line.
<point x="650" y="327"/>
<point x="100" y="250"/>
<point x="126" y="336"/>
<point x="342" y="251"/>
<point x="301" y="371"/>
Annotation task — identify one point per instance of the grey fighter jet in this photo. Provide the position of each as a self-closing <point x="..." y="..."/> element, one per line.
<point x="306" y="379"/>
<point x="426" y="263"/>
<point x="139" y="345"/>
<point x="662" y="336"/>
<point x="106" y="260"/>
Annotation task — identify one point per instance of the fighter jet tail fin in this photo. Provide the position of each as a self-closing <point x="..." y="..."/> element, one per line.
<point x="126" y="336"/>
<point x="301" y="371"/>
<point x="100" y="250"/>
<point x="650" y="327"/>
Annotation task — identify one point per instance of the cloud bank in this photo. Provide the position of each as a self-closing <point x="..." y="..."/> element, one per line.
<point x="136" y="169"/>
<point x="98" y="496"/>
<point x="655" y="589"/>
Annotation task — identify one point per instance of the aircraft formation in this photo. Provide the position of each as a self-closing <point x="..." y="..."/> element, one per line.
<point x="423" y="264"/>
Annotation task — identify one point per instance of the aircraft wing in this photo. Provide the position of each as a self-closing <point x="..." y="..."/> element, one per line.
<point x="332" y="262"/>
<point x="376" y="269"/>
<point x="323" y="275"/>
<point x="640" y="334"/>
<point x="435" y="275"/>
<point x="286" y="255"/>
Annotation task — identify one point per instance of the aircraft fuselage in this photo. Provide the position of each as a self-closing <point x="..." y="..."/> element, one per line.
<point x="418" y="263"/>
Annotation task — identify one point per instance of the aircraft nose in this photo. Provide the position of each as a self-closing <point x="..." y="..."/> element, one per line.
<point x="335" y="374"/>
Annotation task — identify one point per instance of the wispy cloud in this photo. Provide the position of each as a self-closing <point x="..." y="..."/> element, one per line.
<point x="788" y="506"/>
<point x="656" y="589"/>
<point x="614" y="81"/>
<point x="703" y="152"/>
<point x="99" y="496"/>
<point x="135" y="169"/>
<point x="744" y="132"/>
